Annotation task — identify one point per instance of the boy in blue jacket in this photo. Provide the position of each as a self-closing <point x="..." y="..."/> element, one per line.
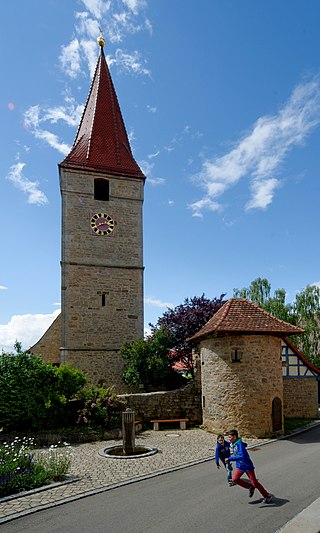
<point x="222" y="453"/>
<point x="244" y="464"/>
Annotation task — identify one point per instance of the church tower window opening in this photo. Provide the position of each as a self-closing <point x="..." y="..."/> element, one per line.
<point x="101" y="189"/>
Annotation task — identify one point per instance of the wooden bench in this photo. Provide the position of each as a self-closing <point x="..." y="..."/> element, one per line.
<point x="183" y="423"/>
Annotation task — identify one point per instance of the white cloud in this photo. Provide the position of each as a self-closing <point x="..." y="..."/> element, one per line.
<point x="151" y="156"/>
<point x="53" y="141"/>
<point x="70" y="114"/>
<point x="156" y="181"/>
<point x="259" y="154"/>
<point x="158" y="303"/>
<point x="88" y="26"/>
<point x="90" y="53"/>
<point x="27" y="329"/>
<point x="129" y="62"/>
<point x="3" y="288"/>
<point x="35" y="117"/>
<point x="151" y="109"/>
<point x="119" y="18"/>
<point x="204" y="204"/>
<point x="147" y="169"/>
<point x="70" y="59"/>
<point x="262" y="193"/>
<point x="35" y="196"/>
<point x="97" y="7"/>
<point x="135" y="5"/>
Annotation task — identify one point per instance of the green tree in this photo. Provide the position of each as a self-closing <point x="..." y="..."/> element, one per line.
<point x="303" y="312"/>
<point x="184" y="321"/>
<point x="307" y="310"/>
<point x="147" y="361"/>
<point x="259" y="292"/>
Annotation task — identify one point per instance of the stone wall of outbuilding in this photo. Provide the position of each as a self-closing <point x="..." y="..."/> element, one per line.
<point x="300" y="397"/>
<point x="240" y="394"/>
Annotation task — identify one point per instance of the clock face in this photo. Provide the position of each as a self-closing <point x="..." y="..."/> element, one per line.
<point x="102" y="224"/>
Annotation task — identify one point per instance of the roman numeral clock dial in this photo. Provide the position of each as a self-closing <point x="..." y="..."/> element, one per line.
<point x="102" y="224"/>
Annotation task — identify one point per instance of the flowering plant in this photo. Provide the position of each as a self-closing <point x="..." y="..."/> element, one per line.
<point x="23" y="469"/>
<point x="99" y="406"/>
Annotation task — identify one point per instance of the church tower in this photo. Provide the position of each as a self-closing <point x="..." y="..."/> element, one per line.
<point x="102" y="248"/>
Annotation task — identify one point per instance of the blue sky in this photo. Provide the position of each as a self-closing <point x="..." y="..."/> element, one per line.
<point x="221" y="100"/>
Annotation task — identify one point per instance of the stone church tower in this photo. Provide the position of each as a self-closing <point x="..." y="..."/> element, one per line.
<point x="102" y="249"/>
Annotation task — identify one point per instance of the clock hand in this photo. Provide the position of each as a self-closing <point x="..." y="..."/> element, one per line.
<point x="105" y="223"/>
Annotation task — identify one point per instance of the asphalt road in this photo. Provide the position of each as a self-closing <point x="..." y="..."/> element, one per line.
<point x="196" y="499"/>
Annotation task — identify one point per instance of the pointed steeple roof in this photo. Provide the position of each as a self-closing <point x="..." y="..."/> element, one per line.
<point x="101" y="142"/>
<point x="241" y="316"/>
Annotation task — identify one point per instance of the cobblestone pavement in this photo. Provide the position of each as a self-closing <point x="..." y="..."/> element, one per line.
<point x="91" y="472"/>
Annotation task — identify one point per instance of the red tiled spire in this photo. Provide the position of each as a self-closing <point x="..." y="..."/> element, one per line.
<point x="239" y="315"/>
<point x="101" y="143"/>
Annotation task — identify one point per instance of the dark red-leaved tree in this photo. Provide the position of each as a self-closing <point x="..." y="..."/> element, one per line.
<point x="182" y="322"/>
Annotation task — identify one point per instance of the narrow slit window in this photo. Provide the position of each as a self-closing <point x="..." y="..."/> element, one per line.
<point x="101" y="189"/>
<point x="236" y="355"/>
<point x="103" y="300"/>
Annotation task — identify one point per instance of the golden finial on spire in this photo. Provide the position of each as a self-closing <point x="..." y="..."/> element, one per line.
<point x="101" y="39"/>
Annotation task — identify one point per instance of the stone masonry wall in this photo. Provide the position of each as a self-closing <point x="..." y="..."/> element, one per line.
<point x="240" y="394"/>
<point x="300" y="397"/>
<point x="101" y="366"/>
<point x="179" y="403"/>
<point x="48" y="347"/>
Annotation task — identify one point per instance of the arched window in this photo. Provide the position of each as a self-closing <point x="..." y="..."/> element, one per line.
<point x="101" y="189"/>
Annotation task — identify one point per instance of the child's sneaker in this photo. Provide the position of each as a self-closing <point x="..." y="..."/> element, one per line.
<point x="267" y="499"/>
<point x="230" y="483"/>
<point x="251" y="491"/>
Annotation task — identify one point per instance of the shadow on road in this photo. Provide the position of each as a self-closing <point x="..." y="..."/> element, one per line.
<point x="276" y="502"/>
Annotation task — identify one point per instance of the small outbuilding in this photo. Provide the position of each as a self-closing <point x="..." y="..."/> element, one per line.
<point x="239" y="352"/>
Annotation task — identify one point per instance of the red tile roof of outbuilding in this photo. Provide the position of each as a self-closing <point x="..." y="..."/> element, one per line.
<point x="239" y="315"/>
<point x="101" y="143"/>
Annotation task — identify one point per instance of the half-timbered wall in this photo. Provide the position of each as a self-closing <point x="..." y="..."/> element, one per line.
<point x="300" y="385"/>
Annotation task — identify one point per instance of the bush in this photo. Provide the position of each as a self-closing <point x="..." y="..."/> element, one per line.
<point x="26" y="385"/>
<point x="100" y="406"/>
<point x="69" y="381"/>
<point x="33" y="394"/>
<point x="148" y="362"/>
